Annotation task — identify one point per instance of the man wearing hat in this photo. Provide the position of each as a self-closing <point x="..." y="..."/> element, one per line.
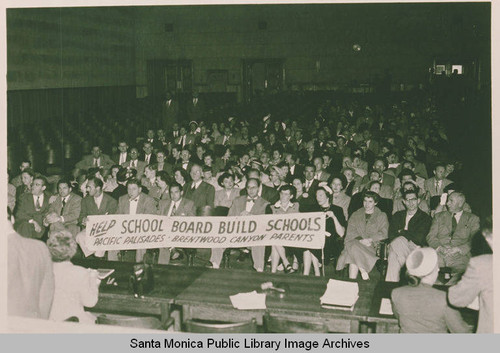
<point x="193" y="136"/>
<point x="419" y="307"/>
<point x="451" y="233"/>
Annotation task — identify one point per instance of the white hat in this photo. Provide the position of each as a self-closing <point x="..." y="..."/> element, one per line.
<point x="421" y="262"/>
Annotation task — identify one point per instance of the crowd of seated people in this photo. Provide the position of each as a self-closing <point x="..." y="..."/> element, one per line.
<point x="383" y="175"/>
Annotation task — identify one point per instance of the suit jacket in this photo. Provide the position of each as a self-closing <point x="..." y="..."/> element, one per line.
<point x="89" y="207"/>
<point x="141" y="165"/>
<point x="152" y="159"/>
<point x="192" y="139"/>
<point x="423" y="309"/>
<point x="71" y="212"/>
<point x="169" y="114"/>
<point x="203" y="195"/>
<point x="418" y="227"/>
<point x="440" y="232"/>
<point x="88" y="162"/>
<point x="269" y="194"/>
<point x="146" y="205"/>
<point x="221" y="198"/>
<point x="430" y="186"/>
<point x="116" y="158"/>
<point x="30" y="289"/>
<point x="195" y="112"/>
<point x="476" y="281"/>
<point x="25" y="211"/>
<point x="323" y="177"/>
<point x="231" y="141"/>
<point x="186" y="207"/>
<point x="239" y="205"/>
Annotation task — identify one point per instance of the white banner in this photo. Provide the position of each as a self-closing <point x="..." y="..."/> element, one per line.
<point x="126" y="232"/>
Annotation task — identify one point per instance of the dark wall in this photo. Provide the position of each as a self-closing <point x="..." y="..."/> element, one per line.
<point x="315" y="40"/>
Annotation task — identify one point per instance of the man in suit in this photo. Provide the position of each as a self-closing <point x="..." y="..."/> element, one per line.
<point x="200" y="192"/>
<point x="30" y="286"/>
<point x="64" y="211"/>
<point x="185" y="161"/>
<point x="407" y="231"/>
<point x="269" y="194"/>
<point x="320" y="174"/>
<point x="96" y="159"/>
<point x="226" y="139"/>
<point x="477" y="282"/>
<point x="17" y="180"/>
<point x="251" y="204"/>
<point x="451" y="233"/>
<point x="380" y="165"/>
<point x="123" y="156"/>
<point x="195" y="108"/>
<point x="95" y="203"/>
<point x="148" y="156"/>
<point x="32" y="209"/>
<point x="150" y="138"/>
<point x="170" y="112"/>
<point x="294" y="169"/>
<point x="135" y="202"/>
<point x="419" y="167"/>
<point x="434" y="186"/>
<point x="175" y="133"/>
<point x="371" y="144"/>
<point x="135" y="163"/>
<point x="176" y="206"/>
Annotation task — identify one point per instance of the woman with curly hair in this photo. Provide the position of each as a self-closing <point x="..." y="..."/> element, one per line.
<point x="75" y="287"/>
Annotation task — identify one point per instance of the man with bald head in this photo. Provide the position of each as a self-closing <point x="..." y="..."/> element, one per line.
<point x="451" y="233"/>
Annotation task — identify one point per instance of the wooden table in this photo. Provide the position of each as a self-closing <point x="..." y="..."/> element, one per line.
<point x="208" y="298"/>
<point x="169" y="282"/>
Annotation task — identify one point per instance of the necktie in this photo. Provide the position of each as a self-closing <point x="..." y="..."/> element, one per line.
<point x="95" y="163"/>
<point x="173" y="210"/>
<point x="453" y="224"/>
<point x="63" y="204"/>
<point x="249" y="199"/>
<point x="193" y="187"/>
<point x="37" y="204"/>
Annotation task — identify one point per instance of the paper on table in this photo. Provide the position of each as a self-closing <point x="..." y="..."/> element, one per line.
<point x="341" y="293"/>
<point x="386" y="307"/>
<point x="249" y="301"/>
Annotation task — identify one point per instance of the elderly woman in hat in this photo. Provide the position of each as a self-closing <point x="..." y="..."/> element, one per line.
<point x="75" y="287"/>
<point x="419" y="307"/>
<point x="366" y="228"/>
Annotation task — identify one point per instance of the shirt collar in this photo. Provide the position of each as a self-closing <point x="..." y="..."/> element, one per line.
<point x="278" y="205"/>
<point x="99" y="198"/>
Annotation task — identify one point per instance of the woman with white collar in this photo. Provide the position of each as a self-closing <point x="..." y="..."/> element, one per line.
<point x="283" y="206"/>
<point x="334" y="226"/>
<point x="421" y="308"/>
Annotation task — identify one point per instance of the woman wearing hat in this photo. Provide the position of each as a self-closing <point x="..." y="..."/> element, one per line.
<point x="226" y="196"/>
<point x="421" y="308"/>
<point x="366" y="228"/>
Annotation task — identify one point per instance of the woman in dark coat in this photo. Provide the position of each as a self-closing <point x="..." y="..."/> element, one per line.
<point x="335" y="228"/>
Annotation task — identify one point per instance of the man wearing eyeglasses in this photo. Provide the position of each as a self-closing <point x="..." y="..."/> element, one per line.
<point x="407" y="231"/>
